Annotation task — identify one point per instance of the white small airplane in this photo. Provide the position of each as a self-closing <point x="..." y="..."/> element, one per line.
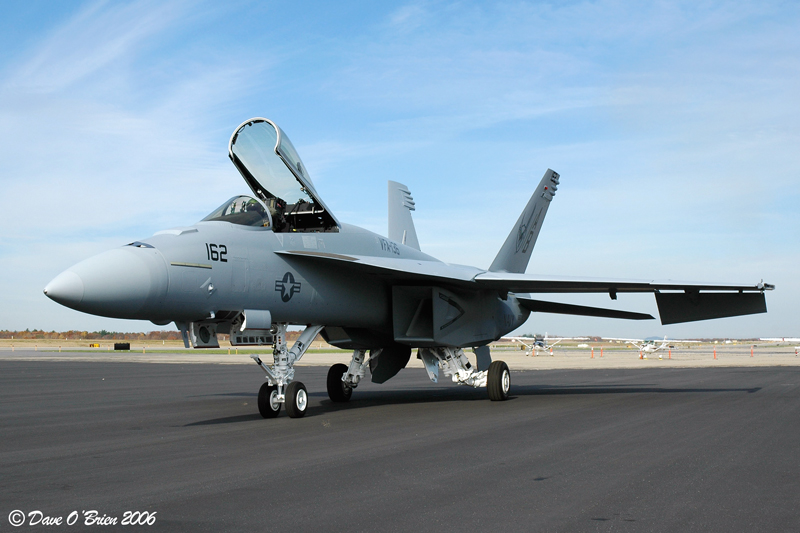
<point x="647" y="346"/>
<point x="534" y="345"/>
<point x="783" y="340"/>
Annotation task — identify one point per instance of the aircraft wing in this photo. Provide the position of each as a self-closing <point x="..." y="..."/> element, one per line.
<point x="677" y="301"/>
<point x="556" y="284"/>
<point x="525" y="341"/>
<point x="397" y="269"/>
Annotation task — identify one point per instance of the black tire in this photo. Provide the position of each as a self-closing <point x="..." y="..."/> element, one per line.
<point x="498" y="381"/>
<point x="337" y="390"/>
<point x="267" y="406"/>
<point x="296" y="400"/>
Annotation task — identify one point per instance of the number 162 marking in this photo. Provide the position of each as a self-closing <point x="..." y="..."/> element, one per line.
<point x="216" y="252"/>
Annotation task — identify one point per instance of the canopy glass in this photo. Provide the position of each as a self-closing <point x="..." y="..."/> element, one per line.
<point x="271" y="167"/>
<point x="242" y="210"/>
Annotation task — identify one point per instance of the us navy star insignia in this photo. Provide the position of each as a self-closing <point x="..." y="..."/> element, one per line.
<point x="287" y="286"/>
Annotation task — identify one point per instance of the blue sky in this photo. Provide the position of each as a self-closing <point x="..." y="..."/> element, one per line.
<point x="675" y="128"/>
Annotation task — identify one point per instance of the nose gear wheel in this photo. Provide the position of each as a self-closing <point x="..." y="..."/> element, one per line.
<point x="268" y="404"/>
<point x="296" y="399"/>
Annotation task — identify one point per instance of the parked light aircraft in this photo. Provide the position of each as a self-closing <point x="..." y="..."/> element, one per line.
<point x="646" y="346"/>
<point x="534" y="345"/>
<point x="777" y="341"/>
<point x="256" y="265"/>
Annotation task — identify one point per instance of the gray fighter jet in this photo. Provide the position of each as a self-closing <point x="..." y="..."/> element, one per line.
<point x="257" y="265"/>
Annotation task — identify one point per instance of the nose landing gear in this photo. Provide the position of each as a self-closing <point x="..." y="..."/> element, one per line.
<point x="268" y="403"/>
<point x="280" y="387"/>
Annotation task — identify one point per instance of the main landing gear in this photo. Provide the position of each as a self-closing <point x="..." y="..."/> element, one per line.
<point x="280" y="387"/>
<point x="454" y="363"/>
<point x="342" y="379"/>
<point x="498" y="381"/>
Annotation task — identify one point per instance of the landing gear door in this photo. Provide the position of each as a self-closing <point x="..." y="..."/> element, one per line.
<point x="272" y="168"/>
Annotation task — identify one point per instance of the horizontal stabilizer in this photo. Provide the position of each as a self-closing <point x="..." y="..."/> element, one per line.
<point x="539" y="306"/>
<point x="679" y="307"/>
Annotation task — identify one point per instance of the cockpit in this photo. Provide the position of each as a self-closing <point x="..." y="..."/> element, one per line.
<point x="242" y="210"/>
<point x="271" y="167"/>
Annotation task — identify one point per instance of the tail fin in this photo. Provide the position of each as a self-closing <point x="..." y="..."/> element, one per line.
<point x="516" y="251"/>
<point x="401" y="225"/>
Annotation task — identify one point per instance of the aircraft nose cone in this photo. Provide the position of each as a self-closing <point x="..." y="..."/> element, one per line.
<point x="126" y="282"/>
<point x="66" y="289"/>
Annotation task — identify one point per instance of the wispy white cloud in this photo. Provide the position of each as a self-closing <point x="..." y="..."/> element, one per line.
<point x="91" y="155"/>
<point x="102" y="35"/>
<point x="84" y="150"/>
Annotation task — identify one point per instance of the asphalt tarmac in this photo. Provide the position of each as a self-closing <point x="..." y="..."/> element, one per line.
<point x="655" y="449"/>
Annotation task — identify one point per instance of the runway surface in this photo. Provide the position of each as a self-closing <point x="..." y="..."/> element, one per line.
<point x="573" y="450"/>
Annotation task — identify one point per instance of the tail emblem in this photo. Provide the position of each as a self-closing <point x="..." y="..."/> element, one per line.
<point x="525" y="232"/>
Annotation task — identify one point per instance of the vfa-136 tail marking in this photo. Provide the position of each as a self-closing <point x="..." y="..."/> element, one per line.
<point x="257" y="265"/>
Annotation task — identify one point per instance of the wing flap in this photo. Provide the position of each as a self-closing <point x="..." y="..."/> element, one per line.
<point x="676" y="308"/>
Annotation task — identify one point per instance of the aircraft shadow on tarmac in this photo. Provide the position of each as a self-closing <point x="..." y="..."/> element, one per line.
<point x="374" y="398"/>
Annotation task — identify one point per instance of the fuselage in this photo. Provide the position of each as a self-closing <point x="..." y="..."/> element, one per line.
<point x="198" y="272"/>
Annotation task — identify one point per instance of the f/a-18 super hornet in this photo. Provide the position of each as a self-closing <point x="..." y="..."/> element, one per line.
<point x="257" y="265"/>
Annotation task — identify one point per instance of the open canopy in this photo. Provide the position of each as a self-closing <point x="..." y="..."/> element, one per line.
<point x="271" y="167"/>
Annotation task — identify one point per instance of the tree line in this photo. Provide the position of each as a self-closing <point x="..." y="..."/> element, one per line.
<point x="91" y="335"/>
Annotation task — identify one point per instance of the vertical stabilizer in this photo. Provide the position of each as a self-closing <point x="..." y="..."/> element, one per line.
<point x="401" y="226"/>
<point x="516" y="251"/>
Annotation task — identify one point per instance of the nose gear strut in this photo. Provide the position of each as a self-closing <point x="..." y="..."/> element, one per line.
<point x="280" y="387"/>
